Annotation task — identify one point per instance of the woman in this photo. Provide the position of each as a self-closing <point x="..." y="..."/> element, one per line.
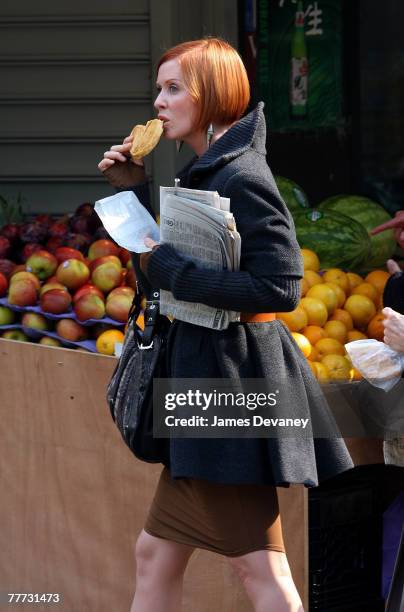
<point x="220" y="494"/>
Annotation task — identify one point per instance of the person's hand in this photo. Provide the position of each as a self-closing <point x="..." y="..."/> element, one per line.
<point x="118" y="167"/>
<point x="392" y="266"/>
<point x="393" y="329"/>
<point x="144" y="257"/>
<point x="397" y="224"/>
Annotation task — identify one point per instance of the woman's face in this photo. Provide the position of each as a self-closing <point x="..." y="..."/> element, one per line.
<point x="174" y="104"/>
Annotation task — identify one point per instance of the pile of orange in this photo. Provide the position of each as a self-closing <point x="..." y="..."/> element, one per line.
<point x="336" y="307"/>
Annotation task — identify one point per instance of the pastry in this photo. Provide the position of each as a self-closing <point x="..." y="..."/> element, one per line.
<point x="145" y="138"/>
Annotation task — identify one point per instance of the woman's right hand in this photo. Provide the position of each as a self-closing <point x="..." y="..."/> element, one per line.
<point x="119" y="168"/>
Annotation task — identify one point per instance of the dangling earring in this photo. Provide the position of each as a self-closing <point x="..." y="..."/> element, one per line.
<point x="209" y="135"/>
<point x="178" y="144"/>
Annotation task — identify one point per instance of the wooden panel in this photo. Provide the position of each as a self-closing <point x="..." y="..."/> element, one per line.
<point x="74" y="498"/>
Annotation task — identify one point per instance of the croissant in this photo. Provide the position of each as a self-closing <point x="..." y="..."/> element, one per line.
<point x="145" y="138"/>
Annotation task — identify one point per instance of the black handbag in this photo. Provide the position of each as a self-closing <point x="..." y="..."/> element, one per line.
<point x="130" y="390"/>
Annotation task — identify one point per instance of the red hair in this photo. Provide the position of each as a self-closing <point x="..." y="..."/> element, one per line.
<point x="215" y="77"/>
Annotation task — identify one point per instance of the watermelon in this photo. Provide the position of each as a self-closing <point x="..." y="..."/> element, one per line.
<point x="293" y="195"/>
<point x="369" y="214"/>
<point x="340" y="242"/>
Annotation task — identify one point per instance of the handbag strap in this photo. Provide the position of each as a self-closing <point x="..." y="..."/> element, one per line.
<point x="151" y="313"/>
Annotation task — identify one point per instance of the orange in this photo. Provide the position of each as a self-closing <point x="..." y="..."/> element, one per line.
<point x="302" y="342"/>
<point x="106" y="341"/>
<point x="295" y="320"/>
<point x="375" y="327"/>
<point x="314" y="333"/>
<point x="314" y="356"/>
<point x="339" y="292"/>
<point x="354" y="280"/>
<point x="342" y="315"/>
<point x="320" y="371"/>
<point x="316" y="310"/>
<point x="361" y="308"/>
<point x="378" y="278"/>
<point x="312" y="278"/>
<point x="337" y="276"/>
<point x="339" y="367"/>
<point x="366" y="289"/>
<point x="310" y="260"/>
<point x="304" y="287"/>
<point x="355" y="334"/>
<point x="355" y="374"/>
<point x="329" y="346"/>
<point x="336" y="330"/>
<point x="324" y="293"/>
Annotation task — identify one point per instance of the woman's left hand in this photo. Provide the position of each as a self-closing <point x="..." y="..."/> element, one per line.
<point x="394" y="329"/>
<point x="144" y="257"/>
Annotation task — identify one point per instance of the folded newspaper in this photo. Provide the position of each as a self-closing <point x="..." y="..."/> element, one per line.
<point x="199" y="224"/>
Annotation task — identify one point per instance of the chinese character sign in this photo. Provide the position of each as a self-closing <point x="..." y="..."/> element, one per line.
<point x="299" y="63"/>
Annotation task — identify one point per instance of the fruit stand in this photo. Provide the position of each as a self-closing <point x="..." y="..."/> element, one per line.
<point x="75" y="499"/>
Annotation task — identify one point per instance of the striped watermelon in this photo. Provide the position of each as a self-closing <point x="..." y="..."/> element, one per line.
<point x="369" y="214"/>
<point x="293" y="195"/>
<point x="340" y="242"/>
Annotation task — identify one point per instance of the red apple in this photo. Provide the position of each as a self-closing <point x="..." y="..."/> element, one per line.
<point x="58" y="229"/>
<point x="35" y="321"/>
<point x="89" y="306"/>
<point x="22" y="293"/>
<point x="130" y="278"/>
<point x="125" y="256"/>
<point x="24" y="275"/>
<point x="42" y="263"/>
<point x="62" y="253"/>
<point x="29" y="249"/>
<point x="99" y="248"/>
<point x="87" y="288"/>
<point x="19" y="268"/>
<point x="15" y="334"/>
<point x="124" y="274"/>
<point x="44" y="219"/>
<point x="54" y="242"/>
<point x="119" y="302"/>
<point x="107" y="276"/>
<point x="78" y="241"/>
<point x="7" y="316"/>
<point x="54" y="285"/>
<point x="56" y="301"/>
<point x="69" y="329"/>
<point x="11" y="231"/>
<point x="72" y="273"/>
<point x="49" y="341"/>
<point x="5" y="247"/>
<point x="3" y="284"/>
<point x="7" y="267"/>
<point x="94" y="263"/>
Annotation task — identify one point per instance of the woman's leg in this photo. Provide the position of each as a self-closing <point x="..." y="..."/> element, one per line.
<point x="268" y="581"/>
<point x="160" y="566"/>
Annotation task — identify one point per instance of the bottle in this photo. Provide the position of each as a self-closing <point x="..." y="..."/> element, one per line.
<point x="299" y="68"/>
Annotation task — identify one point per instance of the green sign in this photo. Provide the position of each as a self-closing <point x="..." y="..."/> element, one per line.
<point x="299" y="63"/>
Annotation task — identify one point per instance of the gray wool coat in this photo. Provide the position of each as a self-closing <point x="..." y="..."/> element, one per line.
<point x="268" y="281"/>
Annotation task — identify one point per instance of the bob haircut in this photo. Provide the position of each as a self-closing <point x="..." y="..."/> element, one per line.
<point x="215" y="77"/>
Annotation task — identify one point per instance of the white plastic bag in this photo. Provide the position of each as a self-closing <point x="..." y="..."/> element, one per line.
<point x="127" y="221"/>
<point x="377" y="362"/>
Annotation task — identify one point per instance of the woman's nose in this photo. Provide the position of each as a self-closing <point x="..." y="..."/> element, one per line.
<point x="159" y="101"/>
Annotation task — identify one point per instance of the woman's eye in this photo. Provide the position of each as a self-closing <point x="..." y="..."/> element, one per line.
<point x="173" y="88"/>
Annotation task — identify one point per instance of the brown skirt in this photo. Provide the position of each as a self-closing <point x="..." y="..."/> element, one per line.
<point x="228" y="519"/>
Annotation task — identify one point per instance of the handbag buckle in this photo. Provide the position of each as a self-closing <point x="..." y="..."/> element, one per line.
<point x="144" y="347"/>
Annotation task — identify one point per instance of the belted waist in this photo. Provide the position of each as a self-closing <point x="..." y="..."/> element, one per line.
<point x="257" y="317"/>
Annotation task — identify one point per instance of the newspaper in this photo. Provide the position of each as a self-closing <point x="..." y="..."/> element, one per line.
<point x="199" y="224"/>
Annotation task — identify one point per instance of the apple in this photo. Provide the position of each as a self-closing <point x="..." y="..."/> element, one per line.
<point x="7" y="316"/>
<point x="107" y="276"/>
<point x="3" y="284"/>
<point x="29" y="249"/>
<point x="5" y="247"/>
<point x="72" y="273"/>
<point x="94" y="263"/>
<point x="87" y="288"/>
<point x="15" y="334"/>
<point x="7" y="267"/>
<point x="80" y="242"/>
<point x="124" y="274"/>
<point x="58" y="229"/>
<point x="56" y="301"/>
<point x="69" y="329"/>
<point x="24" y="275"/>
<point x="49" y="341"/>
<point x="33" y="232"/>
<point x="125" y="256"/>
<point x="19" y="268"/>
<point x="35" y="321"/>
<point x="130" y="278"/>
<point x="42" y="263"/>
<point x="54" y="242"/>
<point x="119" y="303"/>
<point x="89" y="306"/>
<point x="62" y="253"/>
<point x="99" y="248"/>
<point x="11" y="231"/>
<point x="22" y="292"/>
<point x="51" y="285"/>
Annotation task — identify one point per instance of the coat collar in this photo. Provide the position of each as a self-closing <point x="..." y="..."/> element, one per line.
<point x="248" y="132"/>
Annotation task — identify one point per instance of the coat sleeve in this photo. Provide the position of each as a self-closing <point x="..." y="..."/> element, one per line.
<point x="270" y="267"/>
<point x="393" y="295"/>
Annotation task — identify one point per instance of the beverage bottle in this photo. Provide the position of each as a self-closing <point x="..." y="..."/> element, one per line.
<point x="299" y="67"/>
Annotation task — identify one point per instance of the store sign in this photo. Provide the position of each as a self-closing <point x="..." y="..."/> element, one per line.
<point x="299" y="63"/>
